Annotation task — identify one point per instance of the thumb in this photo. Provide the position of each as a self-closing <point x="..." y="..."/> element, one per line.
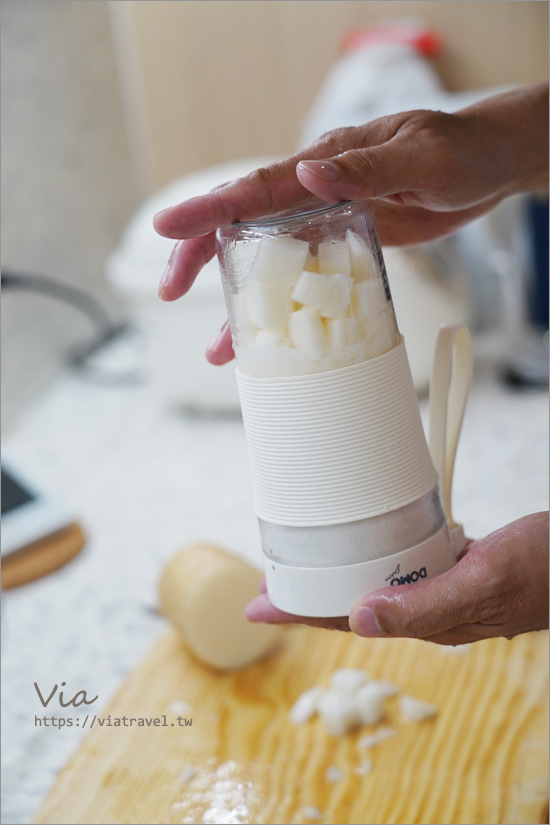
<point x="375" y="172"/>
<point x="420" y="610"/>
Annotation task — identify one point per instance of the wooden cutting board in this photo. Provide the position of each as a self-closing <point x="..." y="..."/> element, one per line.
<point x="483" y="759"/>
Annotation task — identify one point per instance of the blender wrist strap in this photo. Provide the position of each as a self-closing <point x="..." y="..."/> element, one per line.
<point x="449" y="387"/>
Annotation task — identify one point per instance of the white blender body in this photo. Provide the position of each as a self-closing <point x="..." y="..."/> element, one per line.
<point x="346" y="491"/>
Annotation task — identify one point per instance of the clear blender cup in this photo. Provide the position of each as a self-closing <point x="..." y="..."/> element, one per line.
<point x="346" y="492"/>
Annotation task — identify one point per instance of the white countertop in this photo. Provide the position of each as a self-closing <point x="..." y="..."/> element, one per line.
<point x="145" y="482"/>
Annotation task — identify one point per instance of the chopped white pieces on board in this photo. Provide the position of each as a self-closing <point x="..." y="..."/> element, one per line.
<point x="348" y="679"/>
<point x="186" y="775"/>
<point x="416" y="710"/>
<point x="375" y="738"/>
<point x="305" y="706"/>
<point x="311" y="812"/>
<point x="370" y="704"/>
<point x="338" y="711"/>
<point x="334" y="774"/>
<point x="364" y="768"/>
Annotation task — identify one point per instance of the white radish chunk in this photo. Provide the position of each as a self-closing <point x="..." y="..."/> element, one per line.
<point x="370" y="704"/>
<point x="375" y="738"/>
<point x="362" y="263"/>
<point x="203" y="591"/>
<point x="272" y="337"/>
<point x="345" y="333"/>
<point x="368" y="299"/>
<point x="348" y="679"/>
<point x="268" y="305"/>
<point x="338" y="711"/>
<point x="334" y="256"/>
<point x="416" y="710"/>
<point x="312" y="290"/>
<point x="242" y="328"/>
<point x="334" y="774"/>
<point x="364" y="768"/>
<point x="305" y="706"/>
<point x="338" y="298"/>
<point x="385" y="688"/>
<point x="280" y="261"/>
<point x="307" y="332"/>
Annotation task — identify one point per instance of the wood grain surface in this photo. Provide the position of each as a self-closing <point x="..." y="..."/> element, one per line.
<point x="483" y="759"/>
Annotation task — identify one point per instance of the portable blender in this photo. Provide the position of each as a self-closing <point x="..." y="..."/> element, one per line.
<point x="349" y="498"/>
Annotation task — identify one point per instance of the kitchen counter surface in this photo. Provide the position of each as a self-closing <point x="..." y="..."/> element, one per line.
<point x="145" y="481"/>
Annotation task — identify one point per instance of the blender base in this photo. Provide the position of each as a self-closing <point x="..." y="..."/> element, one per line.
<point x="325" y="592"/>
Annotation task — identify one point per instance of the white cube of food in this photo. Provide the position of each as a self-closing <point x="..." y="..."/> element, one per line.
<point x="348" y="679"/>
<point x="346" y="333"/>
<point x="385" y="688"/>
<point x="242" y="329"/>
<point x="370" y="704"/>
<point x="362" y="263"/>
<point x="305" y="706"/>
<point x="416" y="710"/>
<point x="368" y="298"/>
<point x="272" y="337"/>
<point x="338" y="711"/>
<point x="280" y="260"/>
<point x="307" y="332"/>
<point x="312" y="290"/>
<point x="334" y="256"/>
<point x="338" y="299"/>
<point x="268" y="305"/>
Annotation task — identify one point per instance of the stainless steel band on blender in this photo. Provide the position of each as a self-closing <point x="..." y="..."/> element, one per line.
<point x="337" y="446"/>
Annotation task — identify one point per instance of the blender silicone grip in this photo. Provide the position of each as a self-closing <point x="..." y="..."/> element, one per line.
<point x="449" y="387"/>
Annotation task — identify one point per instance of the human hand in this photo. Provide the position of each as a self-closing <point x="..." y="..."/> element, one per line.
<point x="498" y="588"/>
<point x="427" y="173"/>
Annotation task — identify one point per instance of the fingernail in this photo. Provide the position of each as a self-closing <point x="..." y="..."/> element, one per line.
<point x="365" y="623"/>
<point x="164" y="280"/>
<point x="324" y="169"/>
<point x="167" y="274"/>
<point x="215" y="341"/>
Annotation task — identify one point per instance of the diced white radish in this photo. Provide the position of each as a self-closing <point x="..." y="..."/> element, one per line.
<point x="268" y="305"/>
<point x="386" y="333"/>
<point x="307" y="332"/>
<point x="362" y="263"/>
<point x="386" y="688"/>
<point x="364" y="768"/>
<point x="370" y="704"/>
<point x="345" y="334"/>
<point x="242" y="329"/>
<point x="339" y="296"/>
<point x="338" y="711"/>
<point x="279" y="260"/>
<point x="348" y="679"/>
<point x="416" y="710"/>
<point x="375" y="738"/>
<point x="272" y="337"/>
<point x="368" y="298"/>
<point x="334" y="774"/>
<point x="334" y="256"/>
<point x="311" y="812"/>
<point x="312" y="290"/>
<point x="305" y="706"/>
<point x="204" y="591"/>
